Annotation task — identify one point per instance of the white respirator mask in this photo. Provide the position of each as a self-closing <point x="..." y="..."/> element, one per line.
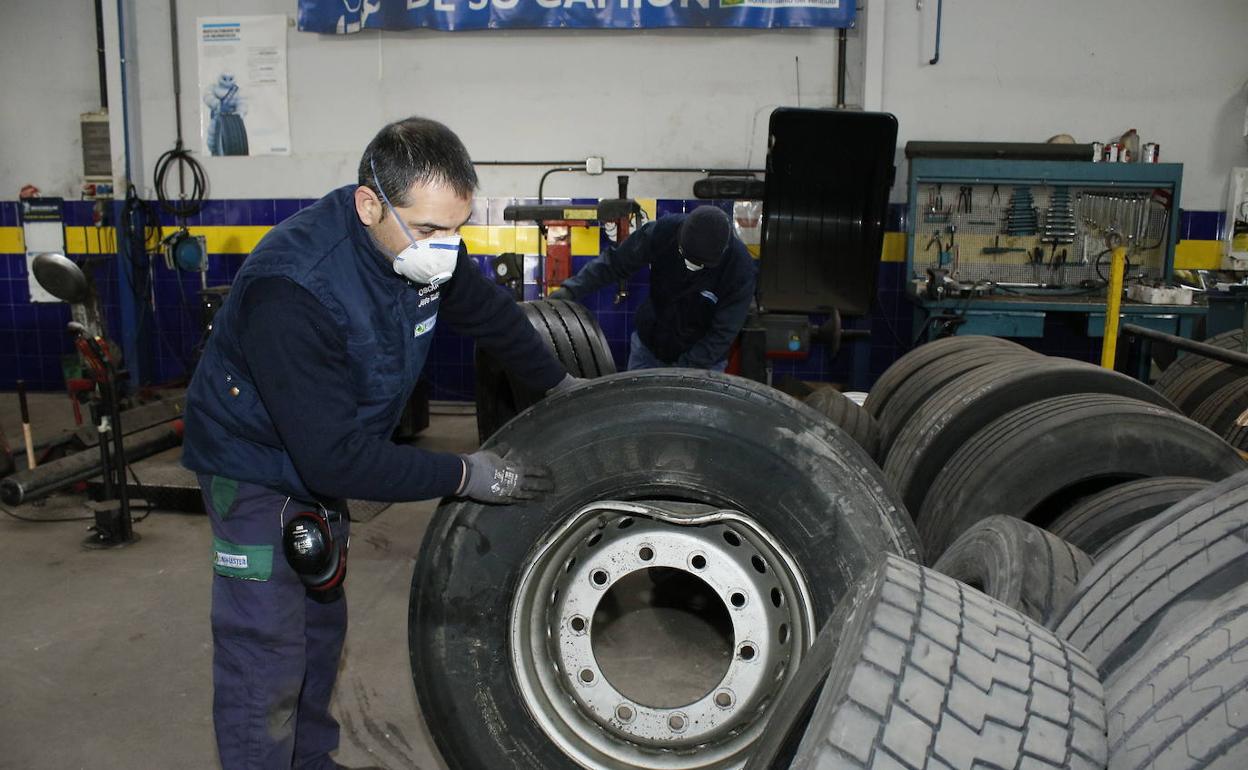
<point x="430" y="261"/>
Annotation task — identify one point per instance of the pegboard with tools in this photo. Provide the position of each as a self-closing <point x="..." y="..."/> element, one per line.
<point x="1039" y="227"/>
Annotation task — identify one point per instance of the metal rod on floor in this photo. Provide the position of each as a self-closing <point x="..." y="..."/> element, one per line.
<point x="26" y="434"/>
<point x="1113" y="308"/>
<point x="1224" y="355"/>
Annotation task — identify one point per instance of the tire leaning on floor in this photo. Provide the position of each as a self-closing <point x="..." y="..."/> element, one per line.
<point x="492" y="586"/>
<point x="1170" y="567"/>
<point x="1017" y="564"/>
<point x="570" y="331"/>
<point x="929" y="673"/>
<point x="1219" y="411"/>
<point x="1037" y="461"/>
<point x="1166" y="382"/>
<point x="847" y="415"/>
<point x="1098" y="521"/>
<point x="916" y="360"/>
<point x="1181" y="705"/>
<point x="965" y="404"/>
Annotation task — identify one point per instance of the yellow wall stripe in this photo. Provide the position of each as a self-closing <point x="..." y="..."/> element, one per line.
<point x="496" y="239"/>
<point x="1198" y="255"/>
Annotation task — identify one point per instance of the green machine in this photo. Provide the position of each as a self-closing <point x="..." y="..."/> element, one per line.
<point x="995" y="246"/>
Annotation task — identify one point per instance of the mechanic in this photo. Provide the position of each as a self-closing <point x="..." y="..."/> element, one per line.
<point x="701" y="284"/>
<point x="311" y="361"/>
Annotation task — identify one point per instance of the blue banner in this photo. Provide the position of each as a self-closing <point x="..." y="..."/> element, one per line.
<point x="346" y="16"/>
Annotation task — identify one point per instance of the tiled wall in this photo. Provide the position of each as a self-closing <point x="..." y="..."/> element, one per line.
<point x="33" y="340"/>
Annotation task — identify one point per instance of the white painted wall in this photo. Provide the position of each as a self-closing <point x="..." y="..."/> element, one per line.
<point x="47" y="48"/>
<point x="1024" y="71"/>
<point x="1011" y="71"/>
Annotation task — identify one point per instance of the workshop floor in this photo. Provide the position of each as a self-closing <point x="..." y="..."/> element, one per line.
<point x="105" y="656"/>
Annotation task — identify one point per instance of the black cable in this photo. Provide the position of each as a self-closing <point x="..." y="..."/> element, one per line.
<point x="186" y="205"/>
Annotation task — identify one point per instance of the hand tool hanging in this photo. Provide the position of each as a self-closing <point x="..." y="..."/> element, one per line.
<point x="940" y="8"/>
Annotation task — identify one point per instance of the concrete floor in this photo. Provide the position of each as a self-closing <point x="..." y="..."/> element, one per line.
<point x="105" y="656"/>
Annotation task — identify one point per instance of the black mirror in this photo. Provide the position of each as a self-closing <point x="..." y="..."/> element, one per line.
<point x="61" y="277"/>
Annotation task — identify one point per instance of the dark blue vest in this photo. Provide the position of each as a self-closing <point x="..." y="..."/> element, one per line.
<point x="682" y="303"/>
<point x="387" y="322"/>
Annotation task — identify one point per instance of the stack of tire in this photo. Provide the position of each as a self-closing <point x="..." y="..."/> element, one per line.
<point x="1213" y="393"/>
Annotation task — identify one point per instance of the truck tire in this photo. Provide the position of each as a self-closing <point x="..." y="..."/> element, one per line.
<point x="1018" y="564"/>
<point x="1098" y="521"/>
<point x="965" y="404"/>
<point x="1219" y="411"/>
<point x="1181" y="706"/>
<point x="713" y="477"/>
<point x="1203" y="381"/>
<point x="1237" y="437"/>
<point x="848" y="416"/>
<point x="1037" y="461"/>
<point x="1159" y="575"/>
<point x="932" y="674"/>
<point x="569" y="331"/>
<point x="1165" y="384"/>
<point x="916" y="360"/>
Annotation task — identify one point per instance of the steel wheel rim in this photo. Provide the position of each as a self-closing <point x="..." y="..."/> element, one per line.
<point x="551" y="634"/>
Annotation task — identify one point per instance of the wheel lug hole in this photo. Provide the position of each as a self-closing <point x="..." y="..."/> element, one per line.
<point x="578" y="624"/>
<point x="624" y="713"/>
<point x="599" y="577"/>
<point x="677" y="722"/>
<point x="587" y="675"/>
<point x="697" y="561"/>
<point x="747" y="651"/>
<point x="736" y="599"/>
<point x="645" y="553"/>
<point x="724" y="699"/>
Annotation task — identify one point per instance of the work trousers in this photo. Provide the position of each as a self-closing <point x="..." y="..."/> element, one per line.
<point x="276" y="648"/>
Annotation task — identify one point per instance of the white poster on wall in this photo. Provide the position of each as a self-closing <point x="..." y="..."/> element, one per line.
<point x="242" y="85"/>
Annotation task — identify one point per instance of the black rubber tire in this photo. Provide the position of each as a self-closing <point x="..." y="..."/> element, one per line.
<point x="233" y="135"/>
<point x="1237" y="436"/>
<point x="1219" y="410"/>
<point x="848" y="416"/>
<point x="1166" y="383"/>
<point x="929" y="673"/>
<point x="1018" y="564"/>
<point x="656" y="434"/>
<point x="1159" y="575"/>
<point x="1099" y="521"/>
<point x="570" y="331"/>
<point x="919" y="390"/>
<point x="916" y="360"/>
<point x="1202" y="381"/>
<point x="1180" y="707"/>
<point x="965" y="404"/>
<point x="1035" y="462"/>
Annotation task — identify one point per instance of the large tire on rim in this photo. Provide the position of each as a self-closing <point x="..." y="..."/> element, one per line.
<point x="571" y="333"/>
<point x="806" y="495"/>
<point x="1159" y="575"/>
<point x="929" y="673"/>
<point x="1180" y="707"/>
<point x="1099" y="521"/>
<point x="1035" y="462"/>
<point x="848" y="416"/>
<point x="1018" y="564"/>
<point x="916" y="360"/>
<point x="957" y="411"/>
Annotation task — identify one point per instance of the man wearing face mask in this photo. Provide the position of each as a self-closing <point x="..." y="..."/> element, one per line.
<point x="311" y="361"/>
<point x="701" y="284"/>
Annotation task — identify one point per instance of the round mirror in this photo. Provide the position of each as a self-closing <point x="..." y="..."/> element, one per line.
<point x="61" y="277"/>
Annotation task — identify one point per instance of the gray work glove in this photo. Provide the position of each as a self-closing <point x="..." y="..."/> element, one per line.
<point x="561" y="293"/>
<point x="489" y="478"/>
<point x="567" y="383"/>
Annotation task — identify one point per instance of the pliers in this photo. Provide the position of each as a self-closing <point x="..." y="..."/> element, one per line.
<point x="966" y="198"/>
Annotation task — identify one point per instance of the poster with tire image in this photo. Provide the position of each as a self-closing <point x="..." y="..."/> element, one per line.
<point x="242" y="85"/>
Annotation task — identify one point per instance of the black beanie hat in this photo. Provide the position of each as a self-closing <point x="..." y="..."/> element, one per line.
<point x="704" y="236"/>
